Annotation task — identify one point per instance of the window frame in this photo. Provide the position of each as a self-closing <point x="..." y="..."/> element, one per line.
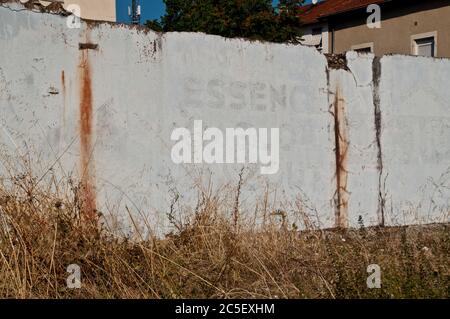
<point x="422" y="36"/>
<point x="362" y="46"/>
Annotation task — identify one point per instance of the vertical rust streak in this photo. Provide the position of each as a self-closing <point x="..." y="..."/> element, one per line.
<point x="63" y="84"/>
<point x="88" y="195"/>
<point x="63" y="81"/>
<point x="342" y="144"/>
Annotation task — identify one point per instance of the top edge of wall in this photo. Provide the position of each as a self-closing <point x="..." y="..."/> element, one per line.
<point x="58" y="9"/>
<point x="335" y="60"/>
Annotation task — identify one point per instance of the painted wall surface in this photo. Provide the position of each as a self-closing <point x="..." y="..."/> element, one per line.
<point x="415" y="138"/>
<point x="99" y="104"/>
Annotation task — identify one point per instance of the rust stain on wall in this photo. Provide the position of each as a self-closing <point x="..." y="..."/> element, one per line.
<point x="63" y="81"/>
<point x="342" y="145"/>
<point x="87" y="46"/>
<point x="63" y="85"/>
<point x="88" y="195"/>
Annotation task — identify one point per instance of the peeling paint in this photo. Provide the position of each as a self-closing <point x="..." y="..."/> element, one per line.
<point x="54" y="8"/>
<point x="337" y="61"/>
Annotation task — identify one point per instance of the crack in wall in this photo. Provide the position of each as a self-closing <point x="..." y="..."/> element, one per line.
<point x="376" y="76"/>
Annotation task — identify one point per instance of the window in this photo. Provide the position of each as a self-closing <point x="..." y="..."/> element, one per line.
<point x="424" y="44"/>
<point x="425" y="47"/>
<point x="314" y="39"/>
<point x="363" y="48"/>
<point x="317" y="37"/>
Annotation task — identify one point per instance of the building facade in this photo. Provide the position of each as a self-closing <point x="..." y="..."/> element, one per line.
<point x="414" y="27"/>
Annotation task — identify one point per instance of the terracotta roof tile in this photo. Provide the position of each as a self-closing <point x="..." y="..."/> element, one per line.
<point x="313" y="12"/>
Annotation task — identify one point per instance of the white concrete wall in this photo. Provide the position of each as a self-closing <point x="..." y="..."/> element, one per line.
<point x="144" y="85"/>
<point x="415" y="137"/>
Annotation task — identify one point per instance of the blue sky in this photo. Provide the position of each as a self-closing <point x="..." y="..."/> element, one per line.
<point x="155" y="8"/>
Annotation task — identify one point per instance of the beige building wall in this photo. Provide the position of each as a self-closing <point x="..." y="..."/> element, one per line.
<point x="397" y="29"/>
<point x="102" y="10"/>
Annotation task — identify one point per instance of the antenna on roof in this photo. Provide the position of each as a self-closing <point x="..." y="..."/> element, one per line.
<point x="135" y="12"/>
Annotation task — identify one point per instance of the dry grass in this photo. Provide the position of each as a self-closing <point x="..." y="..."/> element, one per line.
<point x="211" y="256"/>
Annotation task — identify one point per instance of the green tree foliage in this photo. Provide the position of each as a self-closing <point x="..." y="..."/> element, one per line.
<point x="253" y="19"/>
